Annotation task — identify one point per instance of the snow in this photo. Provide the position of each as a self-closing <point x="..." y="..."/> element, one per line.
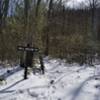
<point x="60" y="82"/>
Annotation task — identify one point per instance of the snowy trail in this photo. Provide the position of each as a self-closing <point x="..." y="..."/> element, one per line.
<point x="69" y="83"/>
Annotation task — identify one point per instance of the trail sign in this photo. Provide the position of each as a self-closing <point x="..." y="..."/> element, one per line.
<point x="32" y="49"/>
<point x="28" y="56"/>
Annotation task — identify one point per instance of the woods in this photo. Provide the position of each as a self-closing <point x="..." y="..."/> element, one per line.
<point x="56" y="29"/>
<point x="49" y="49"/>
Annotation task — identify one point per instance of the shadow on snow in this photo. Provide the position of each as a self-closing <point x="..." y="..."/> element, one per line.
<point x="6" y="90"/>
<point x="11" y="72"/>
<point x="77" y="91"/>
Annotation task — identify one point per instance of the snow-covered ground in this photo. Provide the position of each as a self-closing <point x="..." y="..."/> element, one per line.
<point x="60" y="82"/>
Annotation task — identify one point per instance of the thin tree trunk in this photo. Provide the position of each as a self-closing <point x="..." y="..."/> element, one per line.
<point x="37" y="7"/>
<point x="48" y="23"/>
<point x="4" y="6"/>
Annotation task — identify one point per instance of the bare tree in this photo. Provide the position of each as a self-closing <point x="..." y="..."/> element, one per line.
<point x="4" y="6"/>
<point x="26" y="14"/>
<point x="93" y="5"/>
<point x="37" y="7"/>
<point x="47" y="33"/>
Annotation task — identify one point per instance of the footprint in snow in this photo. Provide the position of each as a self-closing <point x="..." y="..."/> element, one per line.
<point x="33" y="94"/>
<point x="97" y="86"/>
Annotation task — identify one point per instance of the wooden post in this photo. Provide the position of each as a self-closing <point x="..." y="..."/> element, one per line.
<point x="42" y="64"/>
<point x="25" y="72"/>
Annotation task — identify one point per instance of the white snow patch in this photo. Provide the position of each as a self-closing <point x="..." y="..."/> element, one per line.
<point x="60" y="82"/>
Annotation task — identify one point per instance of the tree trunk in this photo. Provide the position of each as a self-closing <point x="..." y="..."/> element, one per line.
<point x="48" y="23"/>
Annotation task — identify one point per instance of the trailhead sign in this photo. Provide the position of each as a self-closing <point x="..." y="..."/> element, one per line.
<point x="32" y="49"/>
<point x="29" y="56"/>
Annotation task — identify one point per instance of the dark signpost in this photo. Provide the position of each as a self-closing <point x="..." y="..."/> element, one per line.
<point x="28" y="57"/>
<point x="42" y="64"/>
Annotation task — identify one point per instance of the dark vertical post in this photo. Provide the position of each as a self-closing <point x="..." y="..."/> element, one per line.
<point x="25" y="72"/>
<point x="42" y="65"/>
<point x="26" y="63"/>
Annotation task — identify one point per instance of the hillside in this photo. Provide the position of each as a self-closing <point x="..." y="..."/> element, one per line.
<point x="60" y="82"/>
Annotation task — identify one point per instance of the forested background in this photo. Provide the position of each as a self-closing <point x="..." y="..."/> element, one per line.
<point x="55" y="28"/>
